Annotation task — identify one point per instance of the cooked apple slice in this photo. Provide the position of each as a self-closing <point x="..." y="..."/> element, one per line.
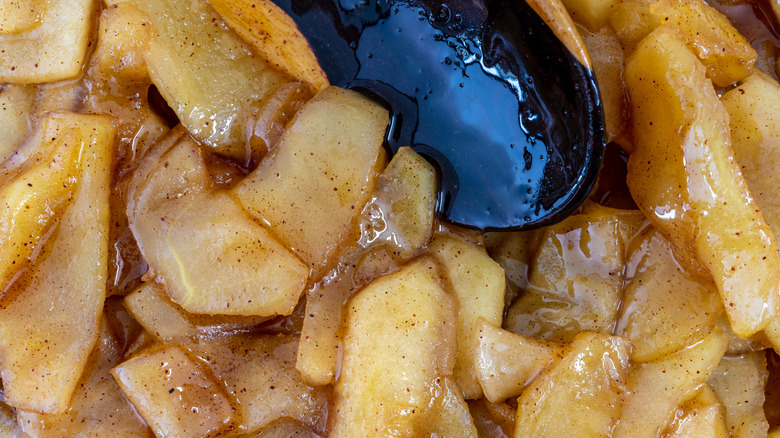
<point x="683" y="176"/>
<point x="739" y="383"/>
<point x="259" y="371"/>
<point x="593" y="373"/>
<point x="151" y="307"/>
<point x="402" y="210"/>
<point x="43" y="353"/>
<point x="478" y="284"/>
<point x="37" y="183"/>
<point x="664" y="308"/>
<point x="507" y="362"/>
<point x="754" y="116"/>
<point x="16" y="101"/>
<point x="399" y="345"/>
<point x="98" y="407"/>
<point x="52" y="50"/>
<point x="703" y="416"/>
<point x="592" y="14"/>
<point x="174" y="394"/>
<point x="727" y="54"/>
<point x="21" y="15"/>
<point x="608" y="63"/>
<point x="206" y="73"/>
<point x="194" y="237"/>
<point x="274" y="36"/>
<point x="320" y="348"/>
<point x="575" y="279"/>
<point x="657" y="388"/>
<point x="312" y="186"/>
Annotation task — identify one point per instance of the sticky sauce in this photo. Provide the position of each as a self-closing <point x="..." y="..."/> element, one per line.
<point x="482" y="89"/>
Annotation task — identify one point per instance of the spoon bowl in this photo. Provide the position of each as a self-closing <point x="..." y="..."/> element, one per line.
<point x="482" y="88"/>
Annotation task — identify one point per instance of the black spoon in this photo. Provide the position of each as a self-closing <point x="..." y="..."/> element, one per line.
<point x="482" y="88"/>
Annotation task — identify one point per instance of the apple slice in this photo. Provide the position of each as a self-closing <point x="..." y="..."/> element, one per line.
<point x="43" y="353"/>
<point x="313" y="185"/>
<point x="51" y="44"/>
<point x="683" y="176"/>
<point x="593" y="373"/>
<point x="175" y="395"/>
<point x="194" y="237"/>
<point x="399" y="348"/>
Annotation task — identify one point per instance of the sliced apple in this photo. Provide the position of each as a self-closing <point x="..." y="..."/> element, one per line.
<point x="593" y="373"/>
<point x="274" y="36"/>
<point x="507" y="362"/>
<point x="664" y="309"/>
<point x="478" y="284"/>
<point x="43" y="353"/>
<point x="174" y="394"/>
<point x="575" y="279"/>
<point x="194" y="237"/>
<point x="98" y="407"/>
<point x="657" y="388"/>
<point x="683" y="176"/>
<point x="259" y="371"/>
<point x="54" y="49"/>
<point x="206" y="73"/>
<point x="16" y="102"/>
<point x="402" y="210"/>
<point x="739" y="383"/>
<point x="399" y="346"/>
<point x="313" y="185"/>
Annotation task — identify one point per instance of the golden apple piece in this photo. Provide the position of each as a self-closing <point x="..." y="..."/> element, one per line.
<point x="37" y="183"/>
<point x="313" y="185"/>
<point x="98" y="407"/>
<point x="167" y="322"/>
<point x="174" y="394"/>
<point x="683" y="176"/>
<point x="702" y="416"/>
<point x="402" y="210"/>
<point x="259" y="371"/>
<point x="593" y="372"/>
<point x="194" y="237"/>
<point x="664" y="308"/>
<point x="576" y="278"/>
<point x="608" y="61"/>
<point x="632" y="21"/>
<point x="592" y="14"/>
<point x="16" y="102"/>
<point x="507" y="362"/>
<point x="43" y="353"/>
<point x="206" y="73"/>
<point x="739" y="383"/>
<point x="754" y="116"/>
<point x="21" y="15"/>
<point x="657" y="388"/>
<point x="320" y="349"/>
<point x="52" y="47"/>
<point x="725" y="52"/>
<point x="274" y="36"/>
<point x="400" y="341"/>
<point x="478" y="285"/>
